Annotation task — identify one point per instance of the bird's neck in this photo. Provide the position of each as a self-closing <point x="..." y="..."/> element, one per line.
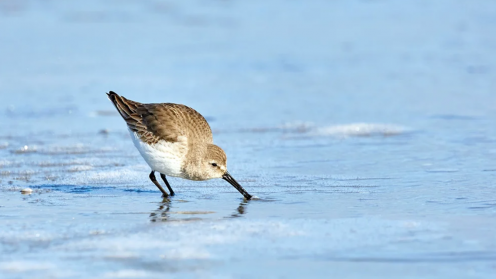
<point x="193" y="164"/>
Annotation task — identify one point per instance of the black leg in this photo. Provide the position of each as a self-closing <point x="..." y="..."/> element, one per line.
<point x="154" y="180"/>
<point x="167" y="183"/>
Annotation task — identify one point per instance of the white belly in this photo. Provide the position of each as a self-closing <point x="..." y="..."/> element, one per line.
<point x="164" y="157"/>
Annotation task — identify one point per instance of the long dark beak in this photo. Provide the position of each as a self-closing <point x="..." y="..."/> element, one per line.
<point x="227" y="177"/>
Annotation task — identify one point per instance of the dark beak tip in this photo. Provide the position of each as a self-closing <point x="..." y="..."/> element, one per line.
<point x="227" y="177"/>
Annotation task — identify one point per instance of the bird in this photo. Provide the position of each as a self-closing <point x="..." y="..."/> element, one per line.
<point x="174" y="140"/>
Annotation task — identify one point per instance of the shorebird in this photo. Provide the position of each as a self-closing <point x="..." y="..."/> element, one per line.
<point x="174" y="140"/>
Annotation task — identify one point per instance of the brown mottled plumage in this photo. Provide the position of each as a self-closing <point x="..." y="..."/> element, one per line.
<point x="167" y="121"/>
<point x="174" y="140"/>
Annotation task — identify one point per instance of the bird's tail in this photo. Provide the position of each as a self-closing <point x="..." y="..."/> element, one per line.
<point x="125" y="107"/>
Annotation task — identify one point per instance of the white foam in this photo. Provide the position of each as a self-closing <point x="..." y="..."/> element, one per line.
<point x="359" y="130"/>
<point x="298" y="127"/>
<point x="131" y="175"/>
<point x="181" y="253"/>
<point x="127" y="273"/>
<point x="23" y="266"/>
<point x="80" y="168"/>
<point x="26" y="149"/>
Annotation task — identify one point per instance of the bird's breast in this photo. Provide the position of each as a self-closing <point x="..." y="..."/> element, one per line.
<point x="163" y="156"/>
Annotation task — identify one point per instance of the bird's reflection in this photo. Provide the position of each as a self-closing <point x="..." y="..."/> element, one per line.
<point x="163" y="213"/>
<point x="240" y="210"/>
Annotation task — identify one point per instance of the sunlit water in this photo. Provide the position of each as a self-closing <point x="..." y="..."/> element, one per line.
<point x="365" y="128"/>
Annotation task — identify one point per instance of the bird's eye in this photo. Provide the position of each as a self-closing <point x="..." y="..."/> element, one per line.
<point x="214" y="164"/>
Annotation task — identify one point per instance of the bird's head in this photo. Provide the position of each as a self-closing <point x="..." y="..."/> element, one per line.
<point x="215" y="161"/>
<point x="216" y="166"/>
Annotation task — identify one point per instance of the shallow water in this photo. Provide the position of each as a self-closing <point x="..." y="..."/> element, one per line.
<point x="365" y="129"/>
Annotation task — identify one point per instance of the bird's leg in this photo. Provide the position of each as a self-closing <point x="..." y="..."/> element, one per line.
<point x="167" y="183"/>
<point x="154" y="180"/>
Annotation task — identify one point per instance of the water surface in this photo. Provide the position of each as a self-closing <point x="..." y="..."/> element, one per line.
<point x="365" y="128"/>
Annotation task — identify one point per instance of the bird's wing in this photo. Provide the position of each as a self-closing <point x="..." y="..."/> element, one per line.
<point x="155" y="122"/>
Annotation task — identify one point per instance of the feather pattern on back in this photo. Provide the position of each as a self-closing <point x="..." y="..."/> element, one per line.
<point x="166" y="121"/>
